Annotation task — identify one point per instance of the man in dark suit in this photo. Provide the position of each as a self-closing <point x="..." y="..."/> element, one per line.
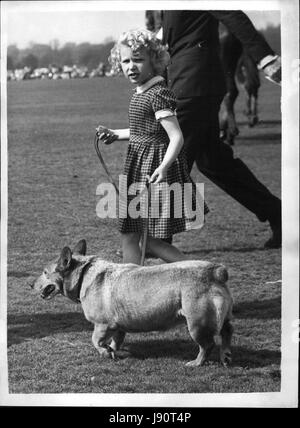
<point x="196" y="77"/>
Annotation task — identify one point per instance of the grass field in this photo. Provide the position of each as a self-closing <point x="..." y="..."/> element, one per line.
<point x="53" y="175"/>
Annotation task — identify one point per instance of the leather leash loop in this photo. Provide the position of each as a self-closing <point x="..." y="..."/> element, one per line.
<point x="96" y="144"/>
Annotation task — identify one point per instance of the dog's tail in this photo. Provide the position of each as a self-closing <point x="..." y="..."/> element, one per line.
<point x="222" y="312"/>
<point x="219" y="274"/>
<point x="222" y="305"/>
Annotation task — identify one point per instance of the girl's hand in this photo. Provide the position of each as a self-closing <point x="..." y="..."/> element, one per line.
<point x="159" y="175"/>
<point x="107" y="136"/>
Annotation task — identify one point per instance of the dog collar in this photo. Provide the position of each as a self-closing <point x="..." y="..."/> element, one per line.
<point x="73" y="291"/>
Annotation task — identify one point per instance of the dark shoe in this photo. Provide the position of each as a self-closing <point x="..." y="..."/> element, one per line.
<point x="276" y="239"/>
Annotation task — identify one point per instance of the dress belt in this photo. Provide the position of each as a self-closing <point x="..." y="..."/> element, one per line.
<point x="148" y="142"/>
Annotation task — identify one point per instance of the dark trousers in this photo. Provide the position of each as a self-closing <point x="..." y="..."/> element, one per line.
<point x="199" y="120"/>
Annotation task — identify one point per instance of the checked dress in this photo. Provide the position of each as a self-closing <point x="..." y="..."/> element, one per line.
<point x="146" y="150"/>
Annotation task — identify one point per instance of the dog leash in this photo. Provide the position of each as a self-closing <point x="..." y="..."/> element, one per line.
<point x="109" y="176"/>
<point x="146" y="224"/>
<point x="96" y="144"/>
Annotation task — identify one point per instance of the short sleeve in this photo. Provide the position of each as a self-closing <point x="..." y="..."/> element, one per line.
<point x="163" y="103"/>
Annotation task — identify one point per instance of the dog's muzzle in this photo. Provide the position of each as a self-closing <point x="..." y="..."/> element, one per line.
<point x="47" y="291"/>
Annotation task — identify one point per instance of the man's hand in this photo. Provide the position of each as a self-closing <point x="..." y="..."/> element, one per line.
<point x="107" y="136"/>
<point x="273" y="71"/>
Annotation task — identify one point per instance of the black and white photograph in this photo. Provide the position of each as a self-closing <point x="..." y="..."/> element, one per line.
<point x="149" y="205"/>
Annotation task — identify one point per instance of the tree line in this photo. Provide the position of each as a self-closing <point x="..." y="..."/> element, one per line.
<point x="86" y="54"/>
<point x="42" y="55"/>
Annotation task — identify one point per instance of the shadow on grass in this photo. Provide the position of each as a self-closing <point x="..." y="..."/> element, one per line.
<point x="23" y="327"/>
<point x="251" y="358"/>
<point x="260" y="123"/>
<point x="225" y="250"/>
<point x="185" y="350"/>
<point x="259" y="309"/>
<point x="261" y="140"/>
<point x="270" y="122"/>
<point x="26" y="327"/>
<point x="16" y="274"/>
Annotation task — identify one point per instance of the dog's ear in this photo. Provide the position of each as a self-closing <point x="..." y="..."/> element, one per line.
<point x="80" y="248"/>
<point x="64" y="259"/>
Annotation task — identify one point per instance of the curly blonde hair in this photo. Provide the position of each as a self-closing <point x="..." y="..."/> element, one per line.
<point x="136" y="40"/>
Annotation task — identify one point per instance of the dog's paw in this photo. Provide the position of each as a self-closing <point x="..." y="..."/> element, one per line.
<point x="195" y="363"/>
<point x="226" y="358"/>
<point x="106" y="353"/>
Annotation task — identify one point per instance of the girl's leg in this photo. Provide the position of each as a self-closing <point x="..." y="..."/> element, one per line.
<point x="165" y="251"/>
<point x="130" y="248"/>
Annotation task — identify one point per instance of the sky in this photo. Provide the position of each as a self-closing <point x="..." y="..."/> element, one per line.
<point x="78" y="22"/>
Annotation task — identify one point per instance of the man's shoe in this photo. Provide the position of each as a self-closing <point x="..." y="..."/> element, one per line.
<point x="276" y="239"/>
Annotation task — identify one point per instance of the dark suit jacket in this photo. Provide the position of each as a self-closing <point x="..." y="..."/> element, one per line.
<point x="193" y="41"/>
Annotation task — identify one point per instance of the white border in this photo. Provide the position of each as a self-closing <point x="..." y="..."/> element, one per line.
<point x="4" y="201"/>
<point x="64" y="6"/>
<point x="290" y="189"/>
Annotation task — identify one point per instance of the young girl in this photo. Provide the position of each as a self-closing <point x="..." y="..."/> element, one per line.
<point x="155" y="142"/>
